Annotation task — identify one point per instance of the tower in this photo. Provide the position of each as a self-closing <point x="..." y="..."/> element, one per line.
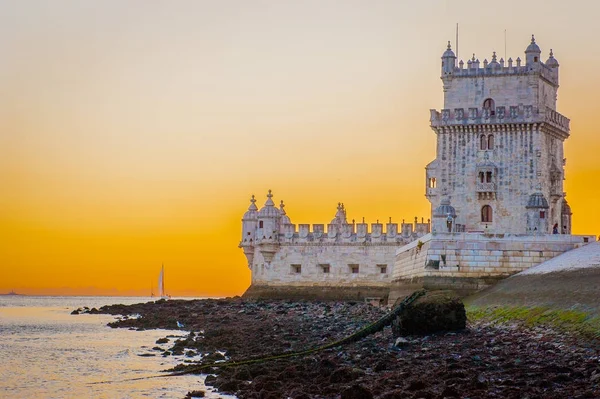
<point x="249" y="224"/>
<point x="499" y="164"/>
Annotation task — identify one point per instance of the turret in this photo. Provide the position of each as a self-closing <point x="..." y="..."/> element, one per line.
<point x="537" y="214"/>
<point x="249" y="223"/>
<point x="448" y="61"/>
<point x="532" y="55"/>
<point x="267" y="233"/>
<point x="553" y="64"/>
<point x="285" y="221"/>
<point x="444" y="217"/>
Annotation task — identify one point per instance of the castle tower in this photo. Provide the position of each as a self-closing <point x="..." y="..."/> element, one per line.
<point x="267" y="232"/>
<point x="499" y="154"/>
<point x="249" y="224"/>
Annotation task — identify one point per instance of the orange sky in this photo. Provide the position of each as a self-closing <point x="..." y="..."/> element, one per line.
<point x="133" y="133"/>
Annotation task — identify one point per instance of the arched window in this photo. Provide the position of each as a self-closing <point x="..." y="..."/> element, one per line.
<point x="260" y="224"/>
<point x="488" y="177"/>
<point x="482" y="142"/>
<point x="486" y="214"/>
<point x="432" y="182"/>
<point x="481" y="177"/>
<point x="490" y="144"/>
<point x="489" y="104"/>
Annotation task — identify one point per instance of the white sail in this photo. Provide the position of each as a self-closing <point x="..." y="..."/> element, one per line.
<point x="161" y="283"/>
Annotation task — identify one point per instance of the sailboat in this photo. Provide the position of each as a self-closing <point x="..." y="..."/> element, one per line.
<point x="161" y="284"/>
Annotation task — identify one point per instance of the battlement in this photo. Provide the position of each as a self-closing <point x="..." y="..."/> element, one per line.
<point x="354" y="232"/>
<point x="500" y="115"/>
<point x="473" y="68"/>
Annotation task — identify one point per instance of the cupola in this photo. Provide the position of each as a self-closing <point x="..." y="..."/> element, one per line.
<point x="532" y="53"/>
<point x="448" y="61"/>
<point x="552" y="62"/>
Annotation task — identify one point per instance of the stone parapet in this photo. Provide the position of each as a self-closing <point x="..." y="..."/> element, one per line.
<point x="436" y="259"/>
<point x="499" y="115"/>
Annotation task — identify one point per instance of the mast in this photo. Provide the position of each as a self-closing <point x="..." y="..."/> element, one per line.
<point x="162" y="273"/>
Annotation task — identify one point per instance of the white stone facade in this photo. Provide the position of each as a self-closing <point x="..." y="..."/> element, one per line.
<point x="345" y="254"/>
<point x="500" y="163"/>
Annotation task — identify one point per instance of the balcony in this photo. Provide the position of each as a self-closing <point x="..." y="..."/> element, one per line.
<point x="486" y="191"/>
<point x="485" y="187"/>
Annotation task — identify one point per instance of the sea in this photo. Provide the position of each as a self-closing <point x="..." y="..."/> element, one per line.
<point x="45" y="352"/>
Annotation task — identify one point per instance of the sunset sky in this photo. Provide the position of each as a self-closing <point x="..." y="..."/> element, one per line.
<point x="133" y="133"/>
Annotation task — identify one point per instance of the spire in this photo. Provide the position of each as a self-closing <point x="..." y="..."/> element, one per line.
<point x="269" y="199"/>
<point x="494" y="57"/>
<point x="252" y="206"/>
<point x="281" y="206"/>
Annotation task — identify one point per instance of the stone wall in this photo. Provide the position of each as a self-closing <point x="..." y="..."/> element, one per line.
<point x="469" y="262"/>
<point x="336" y="264"/>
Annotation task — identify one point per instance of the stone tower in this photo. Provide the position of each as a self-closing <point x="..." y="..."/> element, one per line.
<point x="499" y="164"/>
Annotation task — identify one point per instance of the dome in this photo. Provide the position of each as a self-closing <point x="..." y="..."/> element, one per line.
<point x="551" y="62"/>
<point x="537" y="200"/>
<point x="269" y="210"/>
<point x="566" y="209"/>
<point x="284" y="218"/>
<point x="444" y="209"/>
<point x="533" y="47"/>
<point x="494" y="63"/>
<point x="449" y="52"/>
<point x="251" y="213"/>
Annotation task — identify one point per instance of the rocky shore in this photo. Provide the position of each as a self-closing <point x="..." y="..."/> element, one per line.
<point x="484" y="361"/>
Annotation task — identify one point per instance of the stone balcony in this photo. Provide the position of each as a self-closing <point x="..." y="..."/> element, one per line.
<point x="485" y="187"/>
<point x="486" y="191"/>
<point x="499" y="115"/>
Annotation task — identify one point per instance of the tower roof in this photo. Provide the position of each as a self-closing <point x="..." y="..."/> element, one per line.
<point x="444" y="209"/>
<point x="251" y="212"/>
<point x="533" y="47"/>
<point x="284" y="218"/>
<point x="552" y="62"/>
<point x="449" y="52"/>
<point x="537" y="200"/>
<point x="268" y="210"/>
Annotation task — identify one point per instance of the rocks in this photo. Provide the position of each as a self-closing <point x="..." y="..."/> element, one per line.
<point x="195" y="394"/>
<point x="434" y="312"/>
<point x="484" y="361"/>
<point x="356" y="392"/>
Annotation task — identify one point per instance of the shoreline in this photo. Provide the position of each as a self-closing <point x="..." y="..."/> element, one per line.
<point x="501" y="360"/>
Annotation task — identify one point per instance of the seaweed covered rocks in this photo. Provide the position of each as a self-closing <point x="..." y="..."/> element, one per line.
<point x="434" y="312"/>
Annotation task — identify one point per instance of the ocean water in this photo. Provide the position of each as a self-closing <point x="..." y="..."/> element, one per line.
<point x="45" y="352"/>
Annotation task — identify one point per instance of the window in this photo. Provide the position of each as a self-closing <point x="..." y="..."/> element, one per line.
<point x="481" y="177"/>
<point x="296" y="269"/>
<point x="542" y="214"/>
<point x="489" y="104"/>
<point x="325" y="268"/>
<point x="432" y="182"/>
<point x="486" y="214"/>
<point x="248" y="233"/>
<point x="260" y="224"/>
<point x="490" y="145"/>
<point x="354" y="269"/>
<point x="488" y="177"/>
<point x="482" y="142"/>
<point x="382" y="269"/>
<point x="535" y="59"/>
